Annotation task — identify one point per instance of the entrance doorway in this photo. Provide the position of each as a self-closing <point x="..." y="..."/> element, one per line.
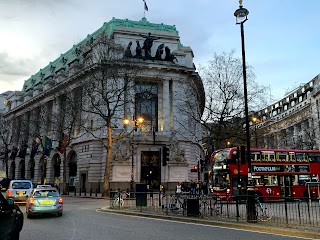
<point x="83" y="179"/>
<point x="150" y="169"/>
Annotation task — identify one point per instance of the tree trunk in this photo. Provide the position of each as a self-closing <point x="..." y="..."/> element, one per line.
<point x="106" y="180"/>
<point x="64" y="186"/>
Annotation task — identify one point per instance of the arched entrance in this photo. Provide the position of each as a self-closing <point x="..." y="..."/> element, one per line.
<point x="72" y="169"/>
<point x="43" y="169"/>
<point x="22" y="170"/>
<point x="31" y="168"/>
<point x="13" y="170"/>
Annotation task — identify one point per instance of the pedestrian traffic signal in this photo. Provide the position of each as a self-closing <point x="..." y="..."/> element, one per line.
<point x="166" y="153"/>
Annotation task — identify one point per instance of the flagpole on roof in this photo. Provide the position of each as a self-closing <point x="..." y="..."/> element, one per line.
<point x="145" y="8"/>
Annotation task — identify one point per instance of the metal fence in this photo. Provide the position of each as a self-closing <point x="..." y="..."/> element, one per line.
<point x="286" y="212"/>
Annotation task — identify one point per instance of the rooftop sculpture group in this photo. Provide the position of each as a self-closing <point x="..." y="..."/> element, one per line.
<point x="147" y="45"/>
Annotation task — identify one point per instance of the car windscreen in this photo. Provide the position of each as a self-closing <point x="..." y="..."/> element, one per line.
<point x="21" y="185"/>
<point x="45" y="193"/>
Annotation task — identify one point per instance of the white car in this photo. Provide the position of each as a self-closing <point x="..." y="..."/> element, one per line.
<point x="19" y="190"/>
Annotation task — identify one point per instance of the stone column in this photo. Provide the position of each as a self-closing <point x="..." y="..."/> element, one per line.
<point x="37" y="175"/>
<point x="166" y="105"/>
<point x="295" y="135"/>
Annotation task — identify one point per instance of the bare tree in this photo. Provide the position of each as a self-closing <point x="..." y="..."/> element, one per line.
<point x="224" y="106"/>
<point x="108" y="96"/>
<point x="5" y="141"/>
<point x="66" y="123"/>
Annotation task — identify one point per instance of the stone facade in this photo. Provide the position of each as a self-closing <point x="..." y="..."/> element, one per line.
<point x="138" y="157"/>
<point x="292" y="122"/>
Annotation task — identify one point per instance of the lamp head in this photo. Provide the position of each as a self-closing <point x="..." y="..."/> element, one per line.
<point x="140" y="120"/>
<point x="241" y="14"/>
<point x="126" y="121"/>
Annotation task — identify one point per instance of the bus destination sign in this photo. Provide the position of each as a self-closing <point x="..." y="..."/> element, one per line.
<point x="281" y="168"/>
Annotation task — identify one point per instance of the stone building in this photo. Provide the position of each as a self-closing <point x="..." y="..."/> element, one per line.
<point x="291" y="122"/>
<point x="160" y="150"/>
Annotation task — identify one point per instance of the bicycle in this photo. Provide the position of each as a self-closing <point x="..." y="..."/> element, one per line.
<point x="176" y="204"/>
<point x="261" y="211"/>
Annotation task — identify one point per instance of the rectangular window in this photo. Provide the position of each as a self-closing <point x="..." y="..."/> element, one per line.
<point x="146" y="105"/>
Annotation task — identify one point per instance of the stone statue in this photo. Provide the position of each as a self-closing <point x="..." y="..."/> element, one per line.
<point x="159" y="52"/>
<point x="147" y="44"/>
<point x="122" y="153"/>
<point x="169" y="56"/>
<point x="127" y="52"/>
<point x="138" y="50"/>
<point x="177" y="153"/>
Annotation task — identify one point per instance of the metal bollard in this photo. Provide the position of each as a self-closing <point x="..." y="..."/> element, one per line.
<point x="80" y="191"/>
<point x="90" y="192"/>
<point x="75" y="191"/>
<point x="85" y="192"/>
<point x="96" y="192"/>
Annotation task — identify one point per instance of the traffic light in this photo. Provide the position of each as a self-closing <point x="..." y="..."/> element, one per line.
<point x="195" y="168"/>
<point x="202" y="165"/>
<point x="166" y="152"/>
<point x="243" y="154"/>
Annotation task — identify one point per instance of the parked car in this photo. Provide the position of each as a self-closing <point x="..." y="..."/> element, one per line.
<point x="19" y="190"/>
<point x="43" y="186"/>
<point x="11" y="219"/>
<point x="4" y="184"/>
<point x="44" y="200"/>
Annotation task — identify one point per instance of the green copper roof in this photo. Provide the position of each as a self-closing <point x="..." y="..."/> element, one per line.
<point x="76" y="52"/>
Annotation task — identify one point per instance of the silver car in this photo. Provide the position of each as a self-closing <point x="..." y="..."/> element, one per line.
<point x="19" y="190"/>
<point x="44" y="200"/>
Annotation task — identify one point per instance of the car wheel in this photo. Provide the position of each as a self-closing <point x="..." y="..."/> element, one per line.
<point x="29" y="216"/>
<point x="60" y="214"/>
<point x="16" y="236"/>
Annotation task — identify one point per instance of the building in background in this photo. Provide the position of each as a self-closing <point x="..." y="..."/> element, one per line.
<point x="292" y="122"/>
<point x="3" y="100"/>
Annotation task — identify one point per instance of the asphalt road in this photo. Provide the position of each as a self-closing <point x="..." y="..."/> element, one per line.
<point x="81" y="221"/>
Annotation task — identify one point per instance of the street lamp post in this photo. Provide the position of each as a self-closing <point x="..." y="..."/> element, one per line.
<point x="241" y="15"/>
<point x="137" y="122"/>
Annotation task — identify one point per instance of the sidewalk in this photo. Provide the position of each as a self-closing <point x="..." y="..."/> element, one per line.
<point x="152" y="212"/>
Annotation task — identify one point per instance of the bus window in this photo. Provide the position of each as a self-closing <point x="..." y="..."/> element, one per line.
<point x="268" y="156"/>
<point x="301" y="157"/>
<point x="282" y="157"/>
<point x="272" y="158"/>
<point x="255" y="156"/>
<point x="264" y="156"/>
<point x="292" y="157"/>
<point x="234" y="157"/>
<point x="314" y="157"/>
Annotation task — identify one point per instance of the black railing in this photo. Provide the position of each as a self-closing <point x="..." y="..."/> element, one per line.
<point x="286" y="212"/>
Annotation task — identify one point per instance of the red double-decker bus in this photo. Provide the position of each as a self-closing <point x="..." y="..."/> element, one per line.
<point x="275" y="173"/>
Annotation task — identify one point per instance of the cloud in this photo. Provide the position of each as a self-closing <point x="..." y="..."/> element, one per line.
<point x="15" y="67"/>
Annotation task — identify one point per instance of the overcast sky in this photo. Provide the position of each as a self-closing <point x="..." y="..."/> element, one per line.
<point x="282" y="37"/>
